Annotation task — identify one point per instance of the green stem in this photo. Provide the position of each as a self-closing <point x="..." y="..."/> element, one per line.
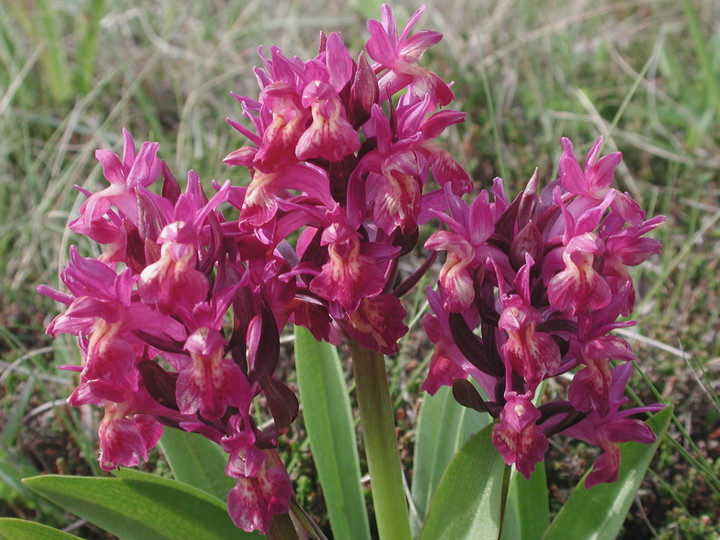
<point x="378" y="427"/>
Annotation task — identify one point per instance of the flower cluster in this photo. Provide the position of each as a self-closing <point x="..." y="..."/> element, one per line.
<point x="180" y="316"/>
<point x="544" y="279"/>
<point x="177" y="328"/>
<point x="333" y="152"/>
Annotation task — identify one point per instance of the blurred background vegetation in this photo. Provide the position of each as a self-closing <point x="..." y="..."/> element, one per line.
<point x="645" y="74"/>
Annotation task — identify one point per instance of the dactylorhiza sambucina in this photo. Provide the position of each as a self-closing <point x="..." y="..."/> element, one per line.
<point x="179" y="318"/>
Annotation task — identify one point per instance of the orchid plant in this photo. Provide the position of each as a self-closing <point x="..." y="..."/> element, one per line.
<point x="179" y="318"/>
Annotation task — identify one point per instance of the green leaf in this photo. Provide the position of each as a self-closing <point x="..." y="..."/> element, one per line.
<point x="331" y="430"/>
<point x="600" y="511"/>
<point x="140" y="506"/>
<point x="467" y="502"/>
<point x="443" y="426"/>
<point x="527" y="513"/>
<point x="17" y="529"/>
<point x="197" y="461"/>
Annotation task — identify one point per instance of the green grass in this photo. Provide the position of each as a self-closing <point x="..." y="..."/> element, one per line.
<point x="642" y="73"/>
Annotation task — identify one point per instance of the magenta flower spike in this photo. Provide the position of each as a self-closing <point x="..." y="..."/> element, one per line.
<point x="544" y="279"/>
<point x="361" y="171"/>
<point x="166" y="295"/>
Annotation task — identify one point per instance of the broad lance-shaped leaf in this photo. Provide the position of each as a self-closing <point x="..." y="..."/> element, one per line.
<point x="140" y="506"/>
<point x="331" y="430"/>
<point x="18" y="529"/>
<point x="467" y="505"/>
<point x="443" y="427"/>
<point x="197" y="461"/>
<point x="527" y="512"/>
<point x="600" y="511"/>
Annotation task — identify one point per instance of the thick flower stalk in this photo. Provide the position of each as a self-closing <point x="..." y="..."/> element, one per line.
<point x="544" y="279"/>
